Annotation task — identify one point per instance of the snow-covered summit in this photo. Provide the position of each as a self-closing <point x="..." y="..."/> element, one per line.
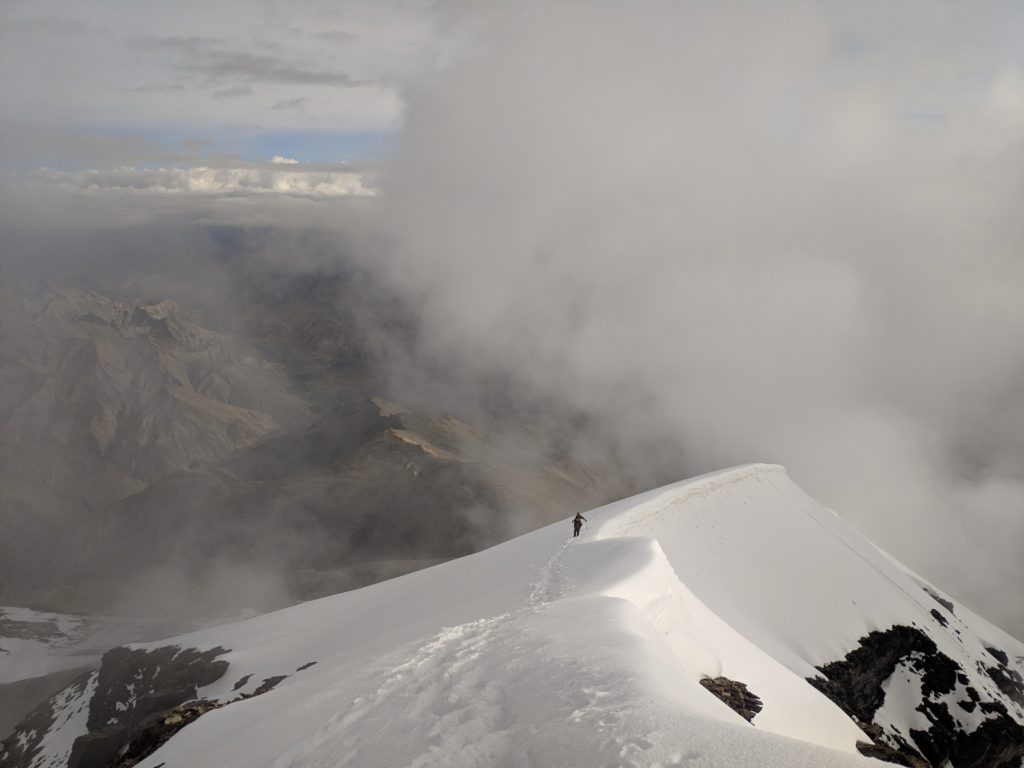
<point x="629" y="646"/>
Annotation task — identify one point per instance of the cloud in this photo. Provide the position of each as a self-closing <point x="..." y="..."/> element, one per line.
<point x="214" y="60"/>
<point x="336" y="36"/>
<point x="296" y="103"/>
<point x="238" y="90"/>
<point x="157" y="88"/>
<point x="279" y="160"/>
<point x="210" y="182"/>
<point x="193" y="45"/>
<point x="113" y="70"/>
<point x="712" y="230"/>
<point x="47" y="26"/>
<point x="267" y="68"/>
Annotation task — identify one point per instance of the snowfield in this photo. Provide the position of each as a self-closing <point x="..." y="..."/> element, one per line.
<point x="37" y="643"/>
<point x="553" y="651"/>
<point x="34" y="643"/>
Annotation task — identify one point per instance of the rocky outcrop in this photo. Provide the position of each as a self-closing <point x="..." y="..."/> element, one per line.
<point x="735" y="695"/>
<point x="120" y="714"/>
<point x="134" y="688"/>
<point x="1007" y="679"/>
<point x="857" y="684"/>
<point x="108" y="709"/>
<point x="889" y="755"/>
<point x="156" y="730"/>
<point x="944" y="602"/>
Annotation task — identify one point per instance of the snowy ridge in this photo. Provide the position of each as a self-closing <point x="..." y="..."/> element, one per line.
<point x="604" y="650"/>
<point x="553" y="651"/>
<point x="819" y="585"/>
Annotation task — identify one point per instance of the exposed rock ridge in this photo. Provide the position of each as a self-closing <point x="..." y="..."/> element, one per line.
<point x="857" y="684"/>
<point x="131" y="687"/>
<point x="158" y="729"/>
<point x="134" y="686"/>
<point x="137" y="700"/>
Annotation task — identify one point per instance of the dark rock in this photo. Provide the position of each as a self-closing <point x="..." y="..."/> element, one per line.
<point x="241" y="682"/>
<point x="939" y="617"/>
<point x="996" y="743"/>
<point x="307" y="665"/>
<point x="939" y="673"/>
<point x="873" y="730"/>
<point x="136" y="701"/>
<point x="938" y="714"/>
<point x="134" y="683"/>
<point x="135" y="688"/>
<point x="735" y="695"/>
<point x="998" y="655"/>
<point x="940" y="600"/>
<point x="1008" y="681"/>
<point x="157" y="730"/>
<point x="991" y="707"/>
<point x="889" y="755"/>
<point x="855" y="684"/>
<point x="152" y="733"/>
<point x="268" y="684"/>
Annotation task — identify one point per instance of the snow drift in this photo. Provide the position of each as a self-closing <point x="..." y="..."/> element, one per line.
<point x="554" y="651"/>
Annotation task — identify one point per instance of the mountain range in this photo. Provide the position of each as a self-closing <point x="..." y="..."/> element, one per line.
<point x="135" y="439"/>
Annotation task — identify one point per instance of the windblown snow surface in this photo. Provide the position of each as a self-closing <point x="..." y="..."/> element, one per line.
<point x="553" y="651"/>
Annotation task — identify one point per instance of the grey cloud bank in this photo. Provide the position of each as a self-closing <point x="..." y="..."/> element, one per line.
<point x="212" y="59"/>
<point x="728" y="231"/>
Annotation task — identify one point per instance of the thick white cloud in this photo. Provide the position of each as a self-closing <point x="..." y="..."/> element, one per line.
<point x="746" y="232"/>
<point x="211" y="181"/>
